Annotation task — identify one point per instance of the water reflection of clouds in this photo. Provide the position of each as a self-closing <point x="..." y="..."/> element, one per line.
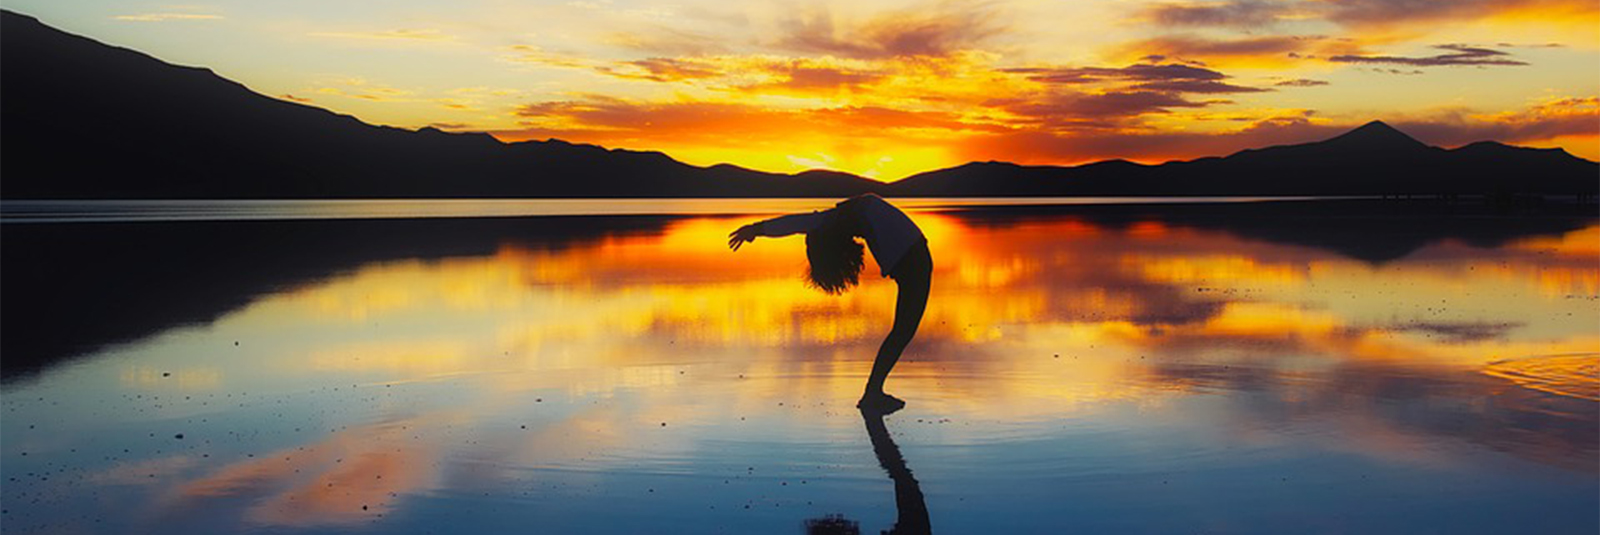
<point x="1052" y="287"/>
<point x="351" y="475"/>
<point x="1145" y="287"/>
<point x="1043" y="320"/>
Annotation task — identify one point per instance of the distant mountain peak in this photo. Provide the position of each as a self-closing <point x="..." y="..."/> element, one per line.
<point x="1377" y="134"/>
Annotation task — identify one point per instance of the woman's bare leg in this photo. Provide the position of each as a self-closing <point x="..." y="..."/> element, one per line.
<point x="910" y="303"/>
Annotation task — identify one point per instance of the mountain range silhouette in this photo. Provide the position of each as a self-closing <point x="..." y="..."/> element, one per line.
<point x="82" y="119"/>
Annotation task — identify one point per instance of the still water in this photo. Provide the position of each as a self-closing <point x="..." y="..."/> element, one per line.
<point x="124" y="211"/>
<point x="1099" y="369"/>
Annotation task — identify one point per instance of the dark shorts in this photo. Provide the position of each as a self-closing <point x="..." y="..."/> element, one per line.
<point x="916" y="264"/>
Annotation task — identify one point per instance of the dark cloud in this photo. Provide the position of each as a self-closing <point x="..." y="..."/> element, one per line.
<point x="1300" y="82"/>
<point x="1138" y="72"/>
<point x="1392" y="12"/>
<point x="1189" y="46"/>
<point x="1233" y="13"/>
<point x="1116" y="96"/>
<point x="1459" y="332"/>
<point x="1253" y="14"/>
<point x="1456" y="55"/>
<point x="1197" y="86"/>
<point x="1168" y="78"/>
<point x="1134" y="90"/>
<point x="1103" y="106"/>
<point x="929" y="32"/>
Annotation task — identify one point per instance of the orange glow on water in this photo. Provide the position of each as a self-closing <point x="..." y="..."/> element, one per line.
<point x="1011" y="286"/>
<point x="623" y="351"/>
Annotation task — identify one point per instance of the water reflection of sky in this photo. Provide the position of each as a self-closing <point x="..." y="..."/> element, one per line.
<point x="1144" y="377"/>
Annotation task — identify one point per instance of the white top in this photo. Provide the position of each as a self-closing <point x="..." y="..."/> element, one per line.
<point x="889" y="233"/>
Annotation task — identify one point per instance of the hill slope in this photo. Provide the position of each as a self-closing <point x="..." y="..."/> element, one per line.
<point x="82" y="119"/>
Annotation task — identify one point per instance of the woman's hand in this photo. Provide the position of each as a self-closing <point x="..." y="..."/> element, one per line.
<point x="745" y="233"/>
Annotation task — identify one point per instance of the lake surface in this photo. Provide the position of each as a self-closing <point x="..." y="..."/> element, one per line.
<point x="126" y="211"/>
<point x="1285" y="367"/>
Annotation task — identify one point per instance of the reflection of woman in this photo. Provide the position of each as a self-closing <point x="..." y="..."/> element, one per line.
<point x="836" y="261"/>
<point x="911" y="510"/>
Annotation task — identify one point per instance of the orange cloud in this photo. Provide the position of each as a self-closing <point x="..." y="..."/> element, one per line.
<point x="884" y="95"/>
<point x="800" y="75"/>
<point x="663" y="69"/>
<point x="899" y="112"/>
<point x="1555" y="119"/>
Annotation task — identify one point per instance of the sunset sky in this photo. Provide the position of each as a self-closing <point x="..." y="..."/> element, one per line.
<point x="889" y="89"/>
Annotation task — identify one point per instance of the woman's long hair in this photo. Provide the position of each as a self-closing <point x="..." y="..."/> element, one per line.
<point x="835" y="258"/>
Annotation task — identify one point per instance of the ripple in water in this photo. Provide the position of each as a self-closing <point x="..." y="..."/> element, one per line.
<point x="1572" y="375"/>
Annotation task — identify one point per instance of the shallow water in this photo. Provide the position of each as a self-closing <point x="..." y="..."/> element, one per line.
<point x="124" y="211"/>
<point x="1093" y="370"/>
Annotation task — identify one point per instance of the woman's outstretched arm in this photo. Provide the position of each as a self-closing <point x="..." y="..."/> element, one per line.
<point x="777" y="226"/>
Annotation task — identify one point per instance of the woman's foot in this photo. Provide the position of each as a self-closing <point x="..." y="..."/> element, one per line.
<point x="880" y="403"/>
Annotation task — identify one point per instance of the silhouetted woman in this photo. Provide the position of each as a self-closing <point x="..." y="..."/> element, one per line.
<point x="836" y="261"/>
